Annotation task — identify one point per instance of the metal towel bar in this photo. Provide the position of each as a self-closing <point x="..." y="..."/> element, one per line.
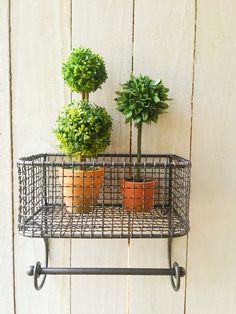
<point x="175" y="272"/>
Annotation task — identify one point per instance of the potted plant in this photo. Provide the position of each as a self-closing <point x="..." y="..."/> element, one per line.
<point x="141" y="100"/>
<point x="82" y="130"/>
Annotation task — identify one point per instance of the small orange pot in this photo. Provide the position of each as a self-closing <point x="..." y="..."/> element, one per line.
<point x="138" y="196"/>
<point x="81" y="188"/>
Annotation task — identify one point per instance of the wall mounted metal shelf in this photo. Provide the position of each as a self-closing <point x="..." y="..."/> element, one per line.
<point x="43" y="212"/>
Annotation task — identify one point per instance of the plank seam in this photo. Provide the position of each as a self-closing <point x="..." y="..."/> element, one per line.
<point x="193" y="76"/>
<point x="71" y="29"/>
<point x="191" y="136"/>
<point x="130" y="144"/>
<point x="12" y="153"/>
<point x="133" y="28"/>
<point x="132" y="71"/>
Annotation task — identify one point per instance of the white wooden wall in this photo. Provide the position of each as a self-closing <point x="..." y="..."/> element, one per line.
<point x="191" y="44"/>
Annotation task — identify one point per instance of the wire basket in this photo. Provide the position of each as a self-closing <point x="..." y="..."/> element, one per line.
<point x="59" y="198"/>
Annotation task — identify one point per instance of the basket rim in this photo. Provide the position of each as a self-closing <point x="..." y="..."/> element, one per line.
<point x="33" y="160"/>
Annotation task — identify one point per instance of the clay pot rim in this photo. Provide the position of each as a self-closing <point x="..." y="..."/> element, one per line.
<point x="79" y="171"/>
<point x="142" y="181"/>
<point x="124" y="183"/>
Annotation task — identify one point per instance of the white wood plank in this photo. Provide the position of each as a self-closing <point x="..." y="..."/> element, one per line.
<point x="40" y="40"/>
<point x="164" y="49"/>
<point x="155" y="293"/>
<point x="212" y="255"/>
<point x="163" y="42"/>
<point x="106" y="28"/>
<point x="100" y="294"/>
<point x="6" y="234"/>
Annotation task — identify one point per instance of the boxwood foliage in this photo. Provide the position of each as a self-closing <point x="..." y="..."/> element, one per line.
<point x="83" y="129"/>
<point x="142" y="99"/>
<point x="84" y="71"/>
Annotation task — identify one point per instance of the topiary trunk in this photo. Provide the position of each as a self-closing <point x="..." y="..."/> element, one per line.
<point x="85" y="96"/>
<point x="139" y="145"/>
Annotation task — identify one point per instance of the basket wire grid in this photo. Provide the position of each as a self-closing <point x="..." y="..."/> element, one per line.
<point x="47" y="210"/>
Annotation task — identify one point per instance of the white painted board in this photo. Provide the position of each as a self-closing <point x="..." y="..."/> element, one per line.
<point x="212" y="254"/>
<point x="6" y="221"/>
<point x="163" y="48"/>
<point x="106" y="28"/>
<point x="40" y="40"/>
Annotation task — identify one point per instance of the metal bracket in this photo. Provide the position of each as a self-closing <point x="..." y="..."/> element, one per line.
<point x="175" y="272"/>
<point x="36" y="270"/>
<point x="179" y="271"/>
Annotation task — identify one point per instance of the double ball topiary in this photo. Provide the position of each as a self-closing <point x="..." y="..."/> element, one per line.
<point x="83" y="130"/>
<point x="84" y="71"/>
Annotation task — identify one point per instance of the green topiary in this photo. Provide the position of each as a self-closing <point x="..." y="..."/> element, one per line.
<point x="84" y="71"/>
<point x="83" y="130"/>
<point x="142" y="100"/>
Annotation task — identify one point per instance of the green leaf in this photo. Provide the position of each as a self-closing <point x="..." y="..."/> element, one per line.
<point x="138" y="119"/>
<point x="127" y="120"/>
<point x="128" y="115"/>
<point x="145" y="116"/>
<point x="156" y="98"/>
<point x="157" y="82"/>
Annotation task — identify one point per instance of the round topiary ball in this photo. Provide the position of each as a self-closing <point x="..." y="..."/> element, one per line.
<point x="83" y="130"/>
<point x="142" y="99"/>
<point x="84" y="71"/>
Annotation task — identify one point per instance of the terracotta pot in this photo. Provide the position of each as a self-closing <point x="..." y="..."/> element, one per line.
<point x="138" y="196"/>
<point x="81" y="188"/>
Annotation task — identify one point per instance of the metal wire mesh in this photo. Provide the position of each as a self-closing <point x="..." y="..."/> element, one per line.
<point x="59" y="198"/>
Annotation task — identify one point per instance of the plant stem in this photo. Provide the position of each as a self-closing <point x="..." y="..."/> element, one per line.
<point x="139" y="145"/>
<point x="82" y="159"/>
<point x="85" y="96"/>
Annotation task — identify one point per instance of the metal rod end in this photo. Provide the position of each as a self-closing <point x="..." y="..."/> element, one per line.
<point x="182" y="272"/>
<point x="30" y="270"/>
